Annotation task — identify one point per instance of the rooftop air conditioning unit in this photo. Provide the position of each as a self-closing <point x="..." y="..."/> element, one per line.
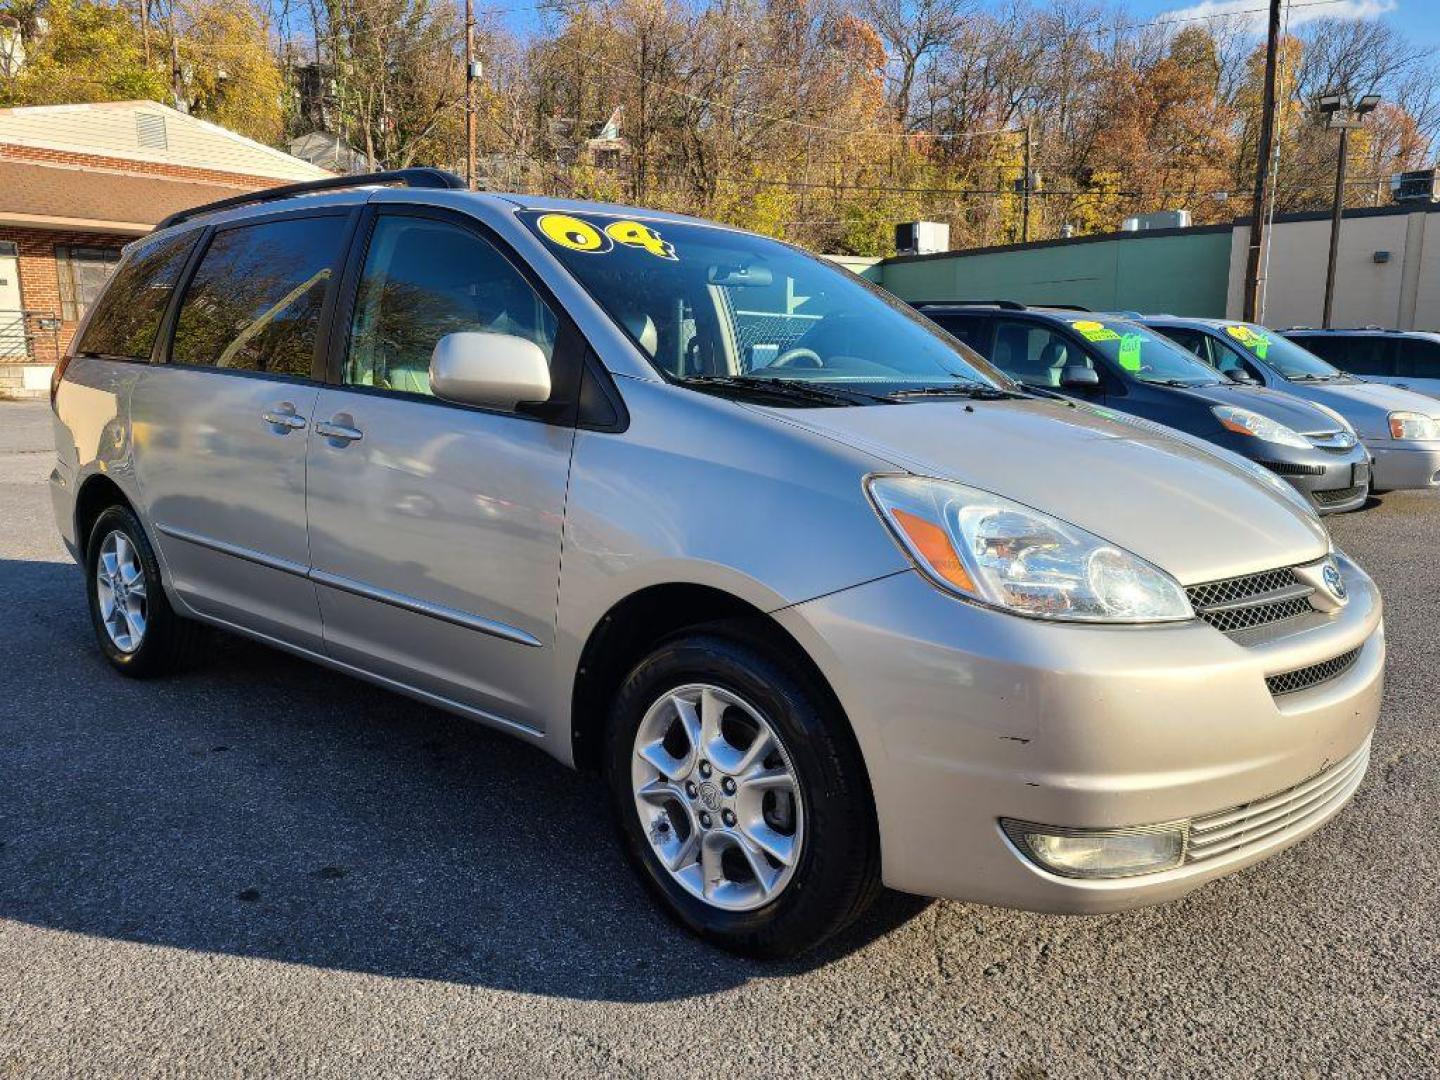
<point x="1161" y="219"/>
<point x="922" y="237"/>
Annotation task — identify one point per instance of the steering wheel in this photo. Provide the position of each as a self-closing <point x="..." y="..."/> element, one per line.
<point x="794" y="357"/>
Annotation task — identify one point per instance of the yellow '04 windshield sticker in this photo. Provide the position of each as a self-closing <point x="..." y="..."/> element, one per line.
<point x="578" y="234"/>
<point x="1091" y="330"/>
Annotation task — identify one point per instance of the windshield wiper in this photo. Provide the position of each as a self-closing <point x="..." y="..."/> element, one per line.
<point x="791" y="388"/>
<point x="966" y="390"/>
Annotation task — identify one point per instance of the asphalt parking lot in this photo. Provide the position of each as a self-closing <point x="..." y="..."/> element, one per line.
<point x="264" y="868"/>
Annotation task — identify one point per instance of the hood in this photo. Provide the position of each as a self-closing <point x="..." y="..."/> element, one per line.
<point x="1196" y="512"/>
<point x="1367" y="405"/>
<point x="1294" y="412"/>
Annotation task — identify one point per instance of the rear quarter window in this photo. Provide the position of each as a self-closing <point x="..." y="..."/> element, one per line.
<point x="127" y="316"/>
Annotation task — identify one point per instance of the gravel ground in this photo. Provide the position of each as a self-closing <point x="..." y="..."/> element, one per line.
<point x="263" y="868"/>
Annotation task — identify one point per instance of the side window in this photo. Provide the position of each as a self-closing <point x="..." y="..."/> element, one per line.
<point x="424" y="279"/>
<point x="1227" y="360"/>
<point x="128" y="314"/>
<point x="254" y="302"/>
<point x="1034" y="354"/>
<point x="1362" y="354"/>
<point x="1193" y="340"/>
<point x="1420" y="358"/>
<point x="974" y="332"/>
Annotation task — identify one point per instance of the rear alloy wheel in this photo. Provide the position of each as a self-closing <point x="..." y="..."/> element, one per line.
<point x="120" y="591"/>
<point x="136" y="628"/>
<point x="739" y="793"/>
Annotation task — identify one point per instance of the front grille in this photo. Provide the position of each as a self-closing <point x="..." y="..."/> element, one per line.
<point x="1337" y="496"/>
<point x="1252" y="823"/>
<point x="1285" y="468"/>
<point x="1290" y="682"/>
<point x="1242" y="603"/>
<point x="1246" y="618"/>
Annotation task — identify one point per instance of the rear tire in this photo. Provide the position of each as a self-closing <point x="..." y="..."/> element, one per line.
<point x="754" y="761"/>
<point x="138" y="631"/>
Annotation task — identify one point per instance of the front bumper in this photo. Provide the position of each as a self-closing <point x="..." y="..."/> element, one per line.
<point x="1402" y="466"/>
<point x="968" y="716"/>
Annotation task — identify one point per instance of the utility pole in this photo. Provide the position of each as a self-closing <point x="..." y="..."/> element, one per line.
<point x="177" y="73"/>
<point x="1025" y="197"/>
<point x="1263" y="153"/>
<point x="1340" y="113"/>
<point x="471" y="74"/>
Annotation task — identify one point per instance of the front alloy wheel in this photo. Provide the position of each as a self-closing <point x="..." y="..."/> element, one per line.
<point x="739" y="792"/>
<point x="717" y="797"/>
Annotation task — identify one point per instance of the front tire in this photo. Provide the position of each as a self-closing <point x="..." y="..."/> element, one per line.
<point x="137" y="630"/>
<point x="740" y="796"/>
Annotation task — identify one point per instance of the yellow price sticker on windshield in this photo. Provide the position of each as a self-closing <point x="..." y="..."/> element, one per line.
<point x="1091" y="330"/>
<point x="1259" y="344"/>
<point x="577" y="234"/>
<point x="634" y="234"/>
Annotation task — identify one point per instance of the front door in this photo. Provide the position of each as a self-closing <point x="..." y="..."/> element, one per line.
<point x="220" y="429"/>
<point x="12" y="318"/>
<point x="435" y="528"/>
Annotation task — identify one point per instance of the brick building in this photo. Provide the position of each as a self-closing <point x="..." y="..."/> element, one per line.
<point x="77" y="183"/>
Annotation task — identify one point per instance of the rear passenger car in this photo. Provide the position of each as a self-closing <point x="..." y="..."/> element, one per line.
<point x="826" y="599"/>
<point x="1409" y="359"/>
<point x="1111" y="361"/>
<point x="1401" y="429"/>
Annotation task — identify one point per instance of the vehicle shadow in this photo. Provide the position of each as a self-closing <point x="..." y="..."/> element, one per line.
<point x="262" y="807"/>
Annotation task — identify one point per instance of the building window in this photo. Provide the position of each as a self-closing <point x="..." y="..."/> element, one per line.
<point x="82" y="271"/>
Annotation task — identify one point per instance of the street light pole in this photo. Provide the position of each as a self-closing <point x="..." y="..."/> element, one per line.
<point x="1335" y="218"/>
<point x="1341" y="113"/>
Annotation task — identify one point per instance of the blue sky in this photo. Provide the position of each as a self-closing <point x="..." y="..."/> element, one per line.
<point x="1420" y="18"/>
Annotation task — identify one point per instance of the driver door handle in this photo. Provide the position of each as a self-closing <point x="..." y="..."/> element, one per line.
<point x="339" y="433"/>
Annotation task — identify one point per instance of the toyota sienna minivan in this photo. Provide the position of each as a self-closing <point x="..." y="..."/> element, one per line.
<point x="827" y="600"/>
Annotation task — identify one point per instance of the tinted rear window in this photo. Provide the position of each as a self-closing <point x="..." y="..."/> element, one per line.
<point x="254" y="302"/>
<point x="128" y="315"/>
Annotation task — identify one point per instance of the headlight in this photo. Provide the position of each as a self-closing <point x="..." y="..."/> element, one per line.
<point x="997" y="552"/>
<point x="1413" y="425"/>
<point x="1245" y="422"/>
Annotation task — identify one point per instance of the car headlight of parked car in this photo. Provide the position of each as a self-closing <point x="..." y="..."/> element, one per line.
<point x="993" y="551"/>
<point x="1246" y="422"/>
<point x="1413" y="425"/>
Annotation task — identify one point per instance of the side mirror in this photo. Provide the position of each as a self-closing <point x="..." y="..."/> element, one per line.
<point x="497" y="371"/>
<point x="1079" y="377"/>
<point x="1240" y="375"/>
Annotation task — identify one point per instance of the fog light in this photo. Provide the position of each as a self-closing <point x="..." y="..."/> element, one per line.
<point x="1101" y="853"/>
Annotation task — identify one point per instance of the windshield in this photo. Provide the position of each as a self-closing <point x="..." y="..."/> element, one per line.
<point x="1146" y="355"/>
<point x="708" y="305"/>
<point x="1289" y="359"/>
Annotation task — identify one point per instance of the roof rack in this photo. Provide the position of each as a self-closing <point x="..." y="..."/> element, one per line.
<point x="1065" y="307"/>
<point x="1008" y="305"/>
<point x="415" y="178"/>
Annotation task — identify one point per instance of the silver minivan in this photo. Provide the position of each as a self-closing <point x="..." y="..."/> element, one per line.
<point x="827" y="600"/>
